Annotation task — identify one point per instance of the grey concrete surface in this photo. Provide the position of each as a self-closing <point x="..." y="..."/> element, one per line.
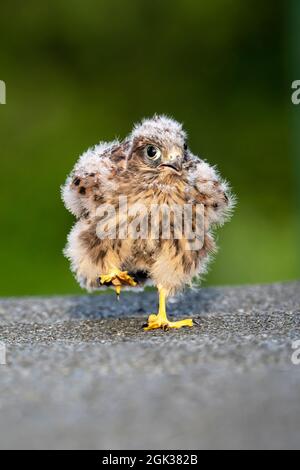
<point x="81" y="373"/>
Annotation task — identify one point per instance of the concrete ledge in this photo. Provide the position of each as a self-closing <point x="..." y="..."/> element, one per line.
<point x="81" y="373"/>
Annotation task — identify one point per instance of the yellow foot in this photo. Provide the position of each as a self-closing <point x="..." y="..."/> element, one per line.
<point x="117" y="279"/>
<point x="155" y="321"/>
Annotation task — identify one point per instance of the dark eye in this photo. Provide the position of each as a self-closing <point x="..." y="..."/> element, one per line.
<point x="185" y="146"/>
<point x="153" y="152"/>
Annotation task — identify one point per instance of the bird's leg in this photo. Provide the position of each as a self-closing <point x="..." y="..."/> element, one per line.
<point x="117" y="278"/>
<point x="161" y="320"/>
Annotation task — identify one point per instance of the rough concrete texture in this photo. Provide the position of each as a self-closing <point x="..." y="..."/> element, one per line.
<point x="81" y="372"/>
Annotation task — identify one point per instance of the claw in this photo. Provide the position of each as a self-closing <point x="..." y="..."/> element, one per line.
<point x="161" y="320"/>
<point x="117" y="279"/>
<point x="156" y="321"/>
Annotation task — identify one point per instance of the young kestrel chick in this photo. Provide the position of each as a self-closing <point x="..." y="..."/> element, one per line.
<point x="154" y="167"/>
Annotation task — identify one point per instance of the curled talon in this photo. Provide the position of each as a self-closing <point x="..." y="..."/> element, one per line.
<point x="117" y="279"/>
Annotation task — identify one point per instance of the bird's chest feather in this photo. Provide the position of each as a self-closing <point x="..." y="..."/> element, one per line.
<point x="154" y="214"/>
<point x="170" y="190"/>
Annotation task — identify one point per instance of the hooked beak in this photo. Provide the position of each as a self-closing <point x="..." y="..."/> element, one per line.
<point x="174" y="166"/>
<point x="172" y="160"/>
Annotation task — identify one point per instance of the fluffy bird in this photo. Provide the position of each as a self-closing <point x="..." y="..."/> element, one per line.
<point x="153" y="166"/>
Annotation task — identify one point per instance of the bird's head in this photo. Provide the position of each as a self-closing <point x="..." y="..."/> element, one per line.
<point x="158" y="144"/>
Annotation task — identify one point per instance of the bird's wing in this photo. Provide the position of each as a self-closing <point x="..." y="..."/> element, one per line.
<point x="210" y="190"/>
<point x="93" y="177"/>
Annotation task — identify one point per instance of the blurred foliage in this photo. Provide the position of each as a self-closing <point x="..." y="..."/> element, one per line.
<point x="79" y="72"/>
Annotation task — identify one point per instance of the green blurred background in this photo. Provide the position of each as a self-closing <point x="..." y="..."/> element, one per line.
<point x="79" y="72"/>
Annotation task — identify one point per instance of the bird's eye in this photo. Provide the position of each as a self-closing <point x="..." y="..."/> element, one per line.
<point x="153" y="152"/>
<point x="185" y="146"/>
